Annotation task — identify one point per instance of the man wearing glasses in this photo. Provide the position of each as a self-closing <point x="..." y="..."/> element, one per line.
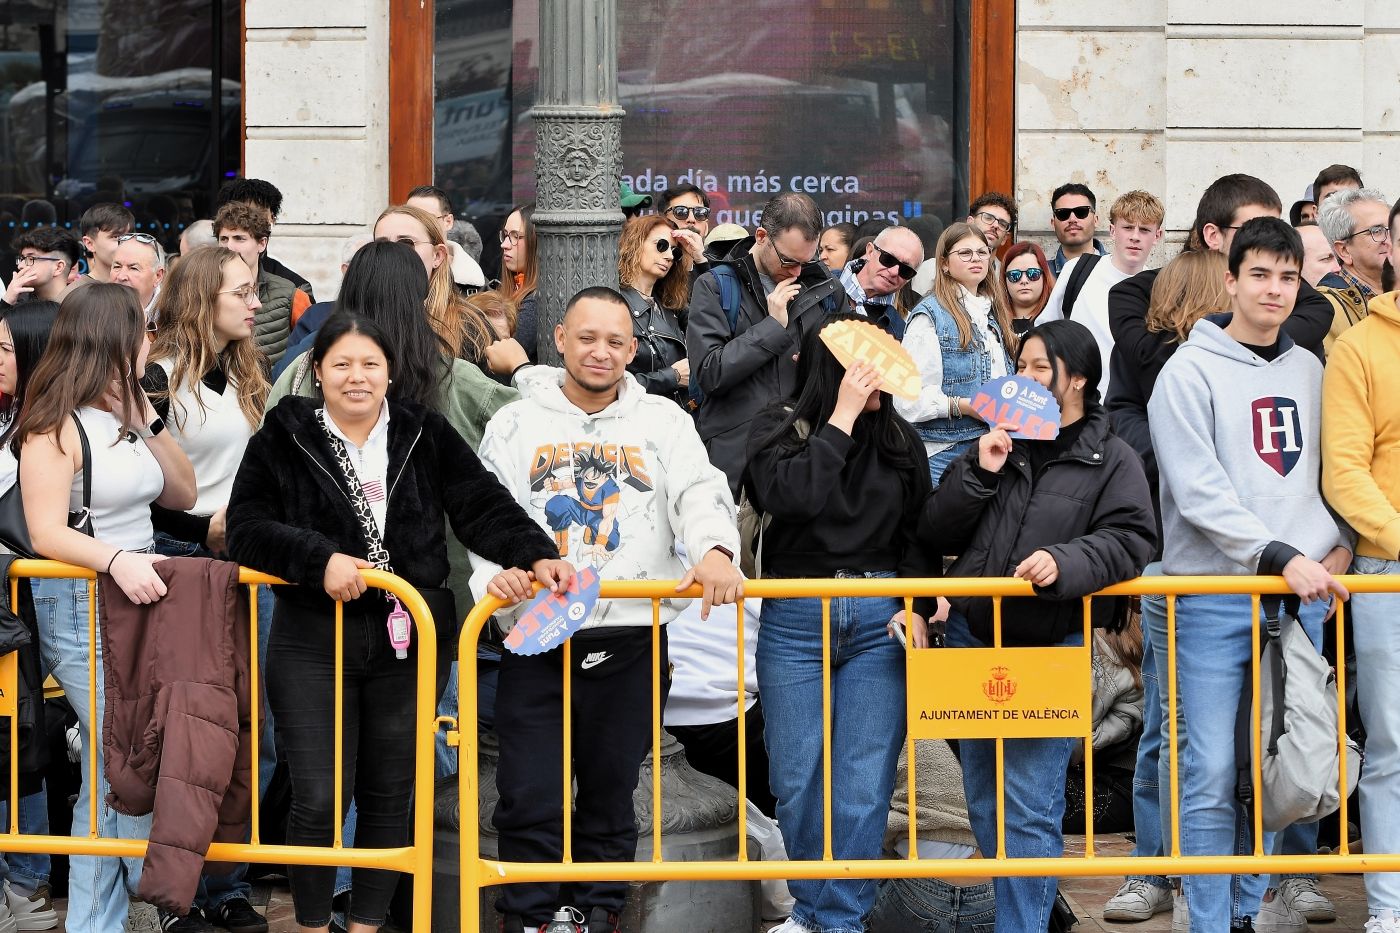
<point x="995" y="215"/>
<point x="1074" y="218"/>
<point x="871" y="281"/>
<point x="1357" y="222"/>
<point x="743" y="353"/>
<point x="47" y="257"/>
<point x="687" y="209"/>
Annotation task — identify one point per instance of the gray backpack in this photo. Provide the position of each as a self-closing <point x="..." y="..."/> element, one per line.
<point x="1298" y="725"/>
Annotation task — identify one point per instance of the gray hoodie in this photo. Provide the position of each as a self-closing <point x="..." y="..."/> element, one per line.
<point x="1238" y="451"/>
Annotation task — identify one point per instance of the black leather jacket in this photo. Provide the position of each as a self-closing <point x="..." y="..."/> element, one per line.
<point x="660" y="334"/>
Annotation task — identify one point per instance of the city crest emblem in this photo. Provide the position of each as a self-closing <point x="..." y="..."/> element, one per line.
<point x="1000" y="687"/>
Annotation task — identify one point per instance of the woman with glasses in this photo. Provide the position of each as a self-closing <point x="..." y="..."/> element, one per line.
<point x="86" y="385"/>
<point x="1028" y="284"/>
<point x="205" y="379"/>
<point x="465" y="330"/>
<point x="960" y="336"/>
<point x="656" y="283"/>
<point x="520" y="274"/>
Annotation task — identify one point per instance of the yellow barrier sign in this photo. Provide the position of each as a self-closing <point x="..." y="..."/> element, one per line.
<point x="1014" y="693"/>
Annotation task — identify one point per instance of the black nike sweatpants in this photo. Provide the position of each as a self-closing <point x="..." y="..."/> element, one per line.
<point x="611" y="704"/>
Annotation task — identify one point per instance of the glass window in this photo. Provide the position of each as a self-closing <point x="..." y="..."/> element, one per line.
<point x="860" y="103"/>
<point x="105" y="101"/>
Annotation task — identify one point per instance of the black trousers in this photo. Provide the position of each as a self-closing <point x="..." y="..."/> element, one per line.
<point x="379" y="712"/>
<point x="611" y="706"/>
<point x="713" y="749"/>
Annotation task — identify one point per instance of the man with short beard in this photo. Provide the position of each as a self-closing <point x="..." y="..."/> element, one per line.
<point x="1074" y="218"/>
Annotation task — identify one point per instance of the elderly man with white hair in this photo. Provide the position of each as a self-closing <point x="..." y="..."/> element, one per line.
<point x="1357" y="222"/>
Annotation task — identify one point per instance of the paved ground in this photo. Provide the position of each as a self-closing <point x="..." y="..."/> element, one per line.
<point x="1086" y="896"/>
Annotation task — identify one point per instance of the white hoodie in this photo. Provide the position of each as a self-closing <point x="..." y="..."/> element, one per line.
<point x="617" y="488"/>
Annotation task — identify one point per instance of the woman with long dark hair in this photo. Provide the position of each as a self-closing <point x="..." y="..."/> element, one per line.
<point x="960" y="336"/>
<point x="843" y="478"/>
<point x="326" y="489"/>
<point x="24" y="333"/>
<point x="1071" y="515"/>
<point x="655" y="278"/>
<point x="88" y="381"/>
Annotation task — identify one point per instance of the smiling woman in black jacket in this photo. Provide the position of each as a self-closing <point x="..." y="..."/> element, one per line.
<point x="322" y="493"/>
<point x="1071" y="515"/>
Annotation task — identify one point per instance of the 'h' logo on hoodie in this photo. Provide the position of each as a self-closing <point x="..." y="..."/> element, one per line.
<point x="1278" y="432"/>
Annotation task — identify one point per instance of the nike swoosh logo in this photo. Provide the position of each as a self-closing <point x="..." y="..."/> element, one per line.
<point x="593" y="660"/>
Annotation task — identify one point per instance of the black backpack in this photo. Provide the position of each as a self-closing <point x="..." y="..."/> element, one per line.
<point x="1077" y="275"/>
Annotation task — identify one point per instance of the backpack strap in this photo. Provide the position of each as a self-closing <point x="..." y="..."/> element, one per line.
<point x="1075" y="285"/>
<point x="729" y="297"/>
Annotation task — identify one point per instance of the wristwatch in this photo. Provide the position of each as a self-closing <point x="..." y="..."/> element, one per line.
<point x="152" y="429"/>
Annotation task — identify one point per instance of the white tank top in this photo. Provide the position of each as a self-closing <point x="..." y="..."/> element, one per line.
<point x="126" y="479"/>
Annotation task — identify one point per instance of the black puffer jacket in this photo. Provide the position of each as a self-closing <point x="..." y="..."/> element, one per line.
<point x="289" y="510"/>
<point x="1089" y="508"/>
<point x="660" y="334"/>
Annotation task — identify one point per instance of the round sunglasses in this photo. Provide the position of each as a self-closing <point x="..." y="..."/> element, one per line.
<point x="1014" y="275"/>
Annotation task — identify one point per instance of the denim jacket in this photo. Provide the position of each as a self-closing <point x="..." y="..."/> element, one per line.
<point x="964" y="372"/>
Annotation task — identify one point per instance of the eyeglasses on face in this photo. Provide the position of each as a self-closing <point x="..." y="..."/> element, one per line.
<point x="967" y="255"/>
<point x="1014" y="275"/>
<point x="663" y="246"/>
<point x="406" y="240"/>
<point x="1065" y="213"/>
<point x="784" y="261"/>
<point x="682" y="212"/>
<point x="989" y="218"/>
<point x="24" y="262"/>
<point x="1378" y="234"/>
<point x="245" y="293"/>
<point x="888" y="259"/>
<point x="510" y="236"/>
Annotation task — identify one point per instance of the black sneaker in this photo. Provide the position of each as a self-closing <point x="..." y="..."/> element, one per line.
<point x="192" y="922"/>
<point x="238" y="916"/>
<point x="600" y="921"/>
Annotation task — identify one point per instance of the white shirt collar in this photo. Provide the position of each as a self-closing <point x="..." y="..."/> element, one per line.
<point x="375" y="434"/>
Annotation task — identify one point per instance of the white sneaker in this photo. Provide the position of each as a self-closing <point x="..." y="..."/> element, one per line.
<point x="1387" y="924"/>
<point x="7" y="920"/>
<point x="1276" y="916"/>
<point x="31" y="911"/>
<point x="1302" y="895"/>
<point x="787" y="926"/>
<point x="1181" y="914"/>
<point x="1138" y="900"/>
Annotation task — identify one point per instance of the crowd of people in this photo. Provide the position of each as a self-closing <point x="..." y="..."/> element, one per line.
<point x="1225" y="414"/>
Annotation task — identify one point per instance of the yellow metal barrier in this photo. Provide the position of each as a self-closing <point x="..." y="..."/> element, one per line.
<point x="415" y="859"/>
<point x="478" y="873"/>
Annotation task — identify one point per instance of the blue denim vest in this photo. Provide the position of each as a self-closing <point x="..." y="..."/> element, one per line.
<point x="964" y="372"/>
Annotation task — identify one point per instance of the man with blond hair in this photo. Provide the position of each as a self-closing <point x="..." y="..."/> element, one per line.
<point x="1081" y="292"/>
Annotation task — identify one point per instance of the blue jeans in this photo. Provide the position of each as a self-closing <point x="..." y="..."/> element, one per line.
<point x="1034" y="806"/>
<point x="1150" y="817"/>
<point x="98" y="886"/>
<point x="867" y="726"/>
<point x="1213" y="663"/>
<point x="214" y="890"/>
<point x="22" y="869"/>
<point x="928" y="905"/>
<point x="940" y="461"/>
<point x="1376" y="638"/>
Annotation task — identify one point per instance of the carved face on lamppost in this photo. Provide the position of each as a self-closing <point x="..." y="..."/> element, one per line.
<point x="578" y="167"/>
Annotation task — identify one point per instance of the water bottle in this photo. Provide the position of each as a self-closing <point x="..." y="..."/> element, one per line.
<point x="566" y="920"/>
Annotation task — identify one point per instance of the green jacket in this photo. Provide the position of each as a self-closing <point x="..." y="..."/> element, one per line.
<point x="468" y="400"/>
<point x="272" y="323"/>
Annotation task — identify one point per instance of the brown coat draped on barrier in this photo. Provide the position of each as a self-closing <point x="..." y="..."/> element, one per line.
<point x="177" y="731"/>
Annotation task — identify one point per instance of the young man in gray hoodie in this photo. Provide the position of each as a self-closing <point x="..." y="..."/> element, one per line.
<point x="1235" y="417"/>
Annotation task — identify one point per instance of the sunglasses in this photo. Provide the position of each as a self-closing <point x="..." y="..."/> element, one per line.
<point x="1014" y="275"/>
<point x="138" y="237"/>
<point x="906" y="271"/>
<point x="784" y="261"/>
<point x="683" y="213"/>
<point x="663" y="246"/>
<point x="1065" y="213"/>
